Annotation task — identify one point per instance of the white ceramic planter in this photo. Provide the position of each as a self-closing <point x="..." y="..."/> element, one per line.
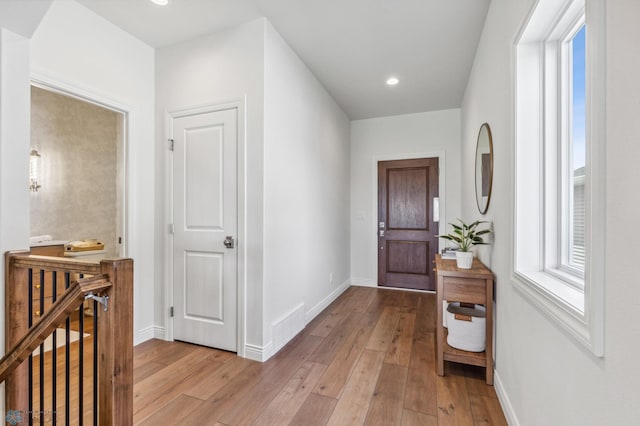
<point x="464" y="259"/>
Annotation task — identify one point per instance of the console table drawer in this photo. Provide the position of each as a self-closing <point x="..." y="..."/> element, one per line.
<point x="465" y="290"/>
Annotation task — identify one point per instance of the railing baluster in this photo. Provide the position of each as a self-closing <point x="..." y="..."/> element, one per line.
<point x="54" y="357"/>
<point x="81" y="365"/>
<point x="95" y="363"/>
<point x="67" y="368"/>
<point x="30" y="323"/>
<point x="41" y="371"/>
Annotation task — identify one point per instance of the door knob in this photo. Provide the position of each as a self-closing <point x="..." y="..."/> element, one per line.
<point x="229" y="242"/>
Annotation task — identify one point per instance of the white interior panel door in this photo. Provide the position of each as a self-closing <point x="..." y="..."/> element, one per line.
<point x="205" y="228"/>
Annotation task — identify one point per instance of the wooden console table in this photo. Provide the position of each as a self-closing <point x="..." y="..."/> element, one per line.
<point x="473" y="285"/>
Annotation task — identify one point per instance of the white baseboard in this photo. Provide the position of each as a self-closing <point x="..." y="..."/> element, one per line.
<point x="148" y="333"/>
<point x="505" y="402"/>
<point x="364" y="282"/>
<point x="313" y="312"/>
<point x="258" y="353"/>
<point x="292" y="323"/>
<point x="286" y="328"/>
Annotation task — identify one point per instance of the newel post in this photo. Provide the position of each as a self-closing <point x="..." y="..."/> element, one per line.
<point x="115" y="346"/>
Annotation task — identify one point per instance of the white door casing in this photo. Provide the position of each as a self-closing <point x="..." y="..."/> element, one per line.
<point x="205" y="200"/>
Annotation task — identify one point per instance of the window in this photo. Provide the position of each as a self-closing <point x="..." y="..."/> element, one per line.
<point x="559" y="188"/>
<point x="574" y="214"/>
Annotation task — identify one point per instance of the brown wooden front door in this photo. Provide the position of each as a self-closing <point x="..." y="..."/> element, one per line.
<point x="407" y="241"/>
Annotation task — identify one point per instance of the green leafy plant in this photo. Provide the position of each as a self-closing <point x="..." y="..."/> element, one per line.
<point x="466" y="236"/>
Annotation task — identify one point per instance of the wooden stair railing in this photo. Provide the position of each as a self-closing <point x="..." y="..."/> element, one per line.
<point x="68" y="303"/>
<point x="114" y="329"/>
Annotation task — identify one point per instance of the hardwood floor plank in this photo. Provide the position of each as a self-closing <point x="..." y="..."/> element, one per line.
<point x="225" y="399"/>
<point x="362" y="300"/>
<point x="411" y="418"/>
<point x="421" y="393"/>
<point x="475" y="382"/>
<point x="454" y="407"/>
<point x="164" y="354"/>
<point x="271" y="382"/>
<point x="212" y="381"/>
<point x="173" y="412"/>
<point x="173" y="380"/>
<point x="329" y="324"/>
<point x="487" y="411"/>
<point x="399" y="352"/>
<point x="374" y="310"/>
<point x="327" y="351"/>
<point x="286" y="404"/>
<point x="378" y="366"/>
<point x="353" y="405"/>
<point x="382" y="333"/>
<point x="409" y="302"/>
<point x="338" y="372"/>
<point x="145" y="370"/>
<point x="426" y="313"/>
<point x="315" y="411"/>
<point x="386" y="405"/>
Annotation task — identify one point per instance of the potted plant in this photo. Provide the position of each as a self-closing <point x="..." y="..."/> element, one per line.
<point x="466" y="236"/>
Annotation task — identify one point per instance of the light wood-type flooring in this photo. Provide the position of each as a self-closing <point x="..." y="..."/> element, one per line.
<point x="369" y="358"/>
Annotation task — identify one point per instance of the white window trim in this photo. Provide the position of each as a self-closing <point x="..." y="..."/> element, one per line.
<point x="578" y="312"/>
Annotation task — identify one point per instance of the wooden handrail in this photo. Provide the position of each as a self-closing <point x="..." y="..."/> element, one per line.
<point x="67" y="303"/>
<point x="55" y="263"/>
<point x="113" y="363"/>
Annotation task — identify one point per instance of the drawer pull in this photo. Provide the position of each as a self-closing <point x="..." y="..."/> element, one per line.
<point x="37" y="313"/>
<point x="37" y="285"/>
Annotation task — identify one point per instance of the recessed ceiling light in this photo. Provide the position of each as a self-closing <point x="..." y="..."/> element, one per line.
<point x="392" y="81"/>
<point x="161" y="2"/>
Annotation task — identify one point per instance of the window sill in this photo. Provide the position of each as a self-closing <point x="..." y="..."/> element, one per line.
<point x="559" y="301"/>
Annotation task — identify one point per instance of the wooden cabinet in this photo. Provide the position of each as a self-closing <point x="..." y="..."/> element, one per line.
<point x="473" y="285"/>
<point x="52" y="250"/>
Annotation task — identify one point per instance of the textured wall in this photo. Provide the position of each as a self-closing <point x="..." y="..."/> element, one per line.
<point x="78" y="144"/>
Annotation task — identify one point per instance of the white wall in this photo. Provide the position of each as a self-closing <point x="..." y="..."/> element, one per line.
<point x="542" y="374"/>
<point x="14" y="150"/>
<point x="403" y="136"/>
<point x="77" y="50"/>
<point x="215" y="69"/>
<point x="22" y="17"/>
<point x="306" y="193"/>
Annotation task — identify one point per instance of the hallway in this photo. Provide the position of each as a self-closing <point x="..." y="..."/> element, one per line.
<point x="369" y="358"/>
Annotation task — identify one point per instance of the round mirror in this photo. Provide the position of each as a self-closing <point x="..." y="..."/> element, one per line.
<point x="484" y="168"/>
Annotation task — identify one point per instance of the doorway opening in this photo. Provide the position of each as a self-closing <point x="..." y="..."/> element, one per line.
<point x="81" y="192"/>
<point x="408" y="219"/>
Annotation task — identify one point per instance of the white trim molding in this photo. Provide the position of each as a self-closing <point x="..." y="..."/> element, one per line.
<point x="505" y="402"/>
<point x="580" y="313"/>
<point x="322" y="305"/>
<point x="286" y="328"/>
<point x="258" y="353"/>
<point x="373" y="242"/>
<point x="243" y="349"/>
<point x="148" y="333"/>
<point x="364" y="282"/>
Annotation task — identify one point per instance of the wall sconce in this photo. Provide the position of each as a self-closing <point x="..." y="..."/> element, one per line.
<point x="34" y="170"/>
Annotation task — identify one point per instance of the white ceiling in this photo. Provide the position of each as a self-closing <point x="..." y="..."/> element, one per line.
<point x="352" y="46"/>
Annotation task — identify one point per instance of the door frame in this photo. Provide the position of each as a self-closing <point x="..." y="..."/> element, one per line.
<point x="373" y="242"/>
<point x="57" y="86"/>
<point x="240" y="105"/>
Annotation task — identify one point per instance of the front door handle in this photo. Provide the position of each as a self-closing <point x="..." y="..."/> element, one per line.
<point x="229" y="242"/>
